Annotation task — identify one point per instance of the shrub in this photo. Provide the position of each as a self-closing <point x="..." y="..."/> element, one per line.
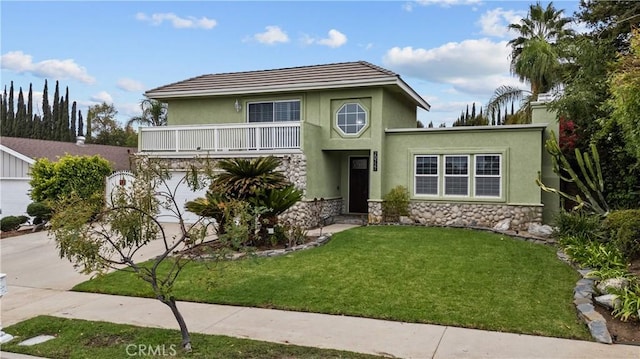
<point x="12" y="223"/>
<point x="629" y="303"/>
<point x="623" y="229"/>
<point x="583" y="225"/>
<point x="40" y="211"/>
<point x="79" y="175"/>
<point x="594" y="255"/>
<point x="395" y="204"/>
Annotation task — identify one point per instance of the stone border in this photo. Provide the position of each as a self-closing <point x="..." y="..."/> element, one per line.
<point x="583" y="300"/>
<point x="279" y="252"/>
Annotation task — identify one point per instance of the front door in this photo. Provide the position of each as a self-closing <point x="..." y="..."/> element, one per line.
<point x="358" y="184"/>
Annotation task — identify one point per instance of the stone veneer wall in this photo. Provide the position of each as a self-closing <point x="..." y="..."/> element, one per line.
<point x="465" y="214"/>
<point x="310" y="214"/>
<point x="294" y="166"/>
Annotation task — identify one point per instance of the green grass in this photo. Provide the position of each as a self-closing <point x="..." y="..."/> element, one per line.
<point x="443" y="276"/>
<point x="85" y="339"/>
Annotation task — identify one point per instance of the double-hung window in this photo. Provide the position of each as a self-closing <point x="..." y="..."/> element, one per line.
<point x="456" y="175"/>
<point x="488" y="176"/>
<point x="426" y="175"/>
<point x="274" y="111"/>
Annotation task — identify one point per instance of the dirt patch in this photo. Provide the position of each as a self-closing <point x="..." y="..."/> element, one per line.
<point x="107" y="340"/>
<point x="621" y="332"/>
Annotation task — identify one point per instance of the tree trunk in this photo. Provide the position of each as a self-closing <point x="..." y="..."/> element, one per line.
<point x="186" y="338"/>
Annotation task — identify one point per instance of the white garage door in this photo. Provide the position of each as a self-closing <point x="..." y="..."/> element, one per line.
<point x="183" y="195"/>
<point x="14" y="196"/>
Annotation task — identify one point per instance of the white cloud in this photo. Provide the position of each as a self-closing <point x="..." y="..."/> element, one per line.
<point x="129" y="110"/>
<point x="19" y="62"/>
<point x="272" y="35"/>
<point x="408" y="6"/>
<point x="495" y="22"/>
<point x="102" y="96"/>
<point x="335" y="39"/>
<point x="472" y="66"/>
<point x="189" y="22"/>
<point x="130" y="85"/>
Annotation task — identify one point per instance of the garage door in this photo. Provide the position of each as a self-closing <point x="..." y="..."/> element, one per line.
<point x="14" y="196"/>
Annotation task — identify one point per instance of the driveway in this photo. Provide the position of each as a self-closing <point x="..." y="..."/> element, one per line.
<point x="36" y="273"/>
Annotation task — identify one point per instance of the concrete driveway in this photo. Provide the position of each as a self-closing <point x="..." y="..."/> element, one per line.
<point x="36" y="274"/>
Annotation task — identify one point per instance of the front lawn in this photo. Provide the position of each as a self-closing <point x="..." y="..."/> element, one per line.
<point x="443" y="276"/>
<point x="85" y="339"/>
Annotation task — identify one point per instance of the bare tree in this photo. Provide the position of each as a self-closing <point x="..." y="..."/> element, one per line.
<point x="99" y="239"/>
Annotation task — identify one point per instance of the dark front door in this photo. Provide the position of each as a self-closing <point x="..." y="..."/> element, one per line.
<point x="358" y="184"/>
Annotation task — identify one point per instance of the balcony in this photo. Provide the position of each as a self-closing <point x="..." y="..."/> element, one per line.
<point x="231" y="139"/>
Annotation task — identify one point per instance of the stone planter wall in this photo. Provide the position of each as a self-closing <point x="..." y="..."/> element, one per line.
<point x="309" y="214"/>
<point x="464" y="214"/>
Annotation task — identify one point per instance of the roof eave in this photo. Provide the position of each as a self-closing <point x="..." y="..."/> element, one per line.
<point x="164" y="95"/>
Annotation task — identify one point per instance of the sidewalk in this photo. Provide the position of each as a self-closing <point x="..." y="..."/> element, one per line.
<point x="404" y="340"/>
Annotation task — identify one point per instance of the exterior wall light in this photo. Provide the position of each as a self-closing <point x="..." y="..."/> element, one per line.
<point x="237" y="106"/>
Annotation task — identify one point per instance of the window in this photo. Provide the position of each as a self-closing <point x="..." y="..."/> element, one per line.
<point x="351" y="118"/>
<point x="456" y="175"/>
<point x="277" y="111"/>
<point x="426" y="175"/>
<point x="487" y="176"/>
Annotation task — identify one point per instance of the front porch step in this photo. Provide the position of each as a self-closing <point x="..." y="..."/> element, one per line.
<point x="359" y="219"/>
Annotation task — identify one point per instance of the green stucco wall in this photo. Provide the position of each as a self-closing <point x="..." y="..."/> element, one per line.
<point x="541" y="115"/>
<point x="520" y="147"/>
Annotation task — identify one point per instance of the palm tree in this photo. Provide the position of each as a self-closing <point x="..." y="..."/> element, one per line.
<point x="535" y="57"/>
<point x="154" y="113"/>
<point x="535" y="53"/>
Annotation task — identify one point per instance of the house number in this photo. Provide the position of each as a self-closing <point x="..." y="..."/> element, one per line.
<point x="375" y="161"/>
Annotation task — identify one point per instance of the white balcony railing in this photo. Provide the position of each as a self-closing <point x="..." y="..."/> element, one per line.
<point x="237" y="137"/>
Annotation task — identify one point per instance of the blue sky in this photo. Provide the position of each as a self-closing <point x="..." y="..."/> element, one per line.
<point x="452" y="52"/>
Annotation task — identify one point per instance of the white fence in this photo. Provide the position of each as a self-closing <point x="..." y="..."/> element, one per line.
<point x="237" y="137"/>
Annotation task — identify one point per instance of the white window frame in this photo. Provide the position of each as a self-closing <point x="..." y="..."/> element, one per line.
<point x="445" y="176"/>
<point x="364" y="125"/>
<point x="274" y="112"/>
<point x="416" y="175"/>
<point x="499" y="176"/>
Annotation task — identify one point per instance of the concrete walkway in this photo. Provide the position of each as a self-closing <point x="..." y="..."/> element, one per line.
<point x="28" y="297"/>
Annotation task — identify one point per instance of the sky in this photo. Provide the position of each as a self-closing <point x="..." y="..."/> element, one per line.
<point x="451" y="52"/>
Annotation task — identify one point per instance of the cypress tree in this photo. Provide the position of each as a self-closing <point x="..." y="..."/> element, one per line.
<point x="66" y="129"/>
<point x="45" y="132"/>
<point x="80" y="124"/>
<point x="30" y="118"/>
<point x="9" y="126"/>
<point x="19" y="123"/>
<point x="55" y="115"/>
<point x="72" y="128"/>
<point x="3" y="112"/>
<point x="473" y="111"/>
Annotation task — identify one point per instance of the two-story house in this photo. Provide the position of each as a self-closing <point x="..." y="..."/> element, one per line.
<point x="347" y="133"/>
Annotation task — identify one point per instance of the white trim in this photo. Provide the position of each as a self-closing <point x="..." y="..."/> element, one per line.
<point x="19" y="155"/>
<point x="415" y="176"/>
<point x="394" y="80"/>
<point x="445" y="175"/>
<point x="364" y="126"/>
<point x="536" y="126"/>
<point x="299" y="101"/>
<point x="499" y="176"/>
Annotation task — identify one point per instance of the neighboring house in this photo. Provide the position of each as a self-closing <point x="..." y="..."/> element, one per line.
<point x="19" y="154"/>
<point x="347" y="133"/>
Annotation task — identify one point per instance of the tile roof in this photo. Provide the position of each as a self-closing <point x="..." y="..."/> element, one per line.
<point x="32" y="148"/>
<point x="338" y="75"/>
